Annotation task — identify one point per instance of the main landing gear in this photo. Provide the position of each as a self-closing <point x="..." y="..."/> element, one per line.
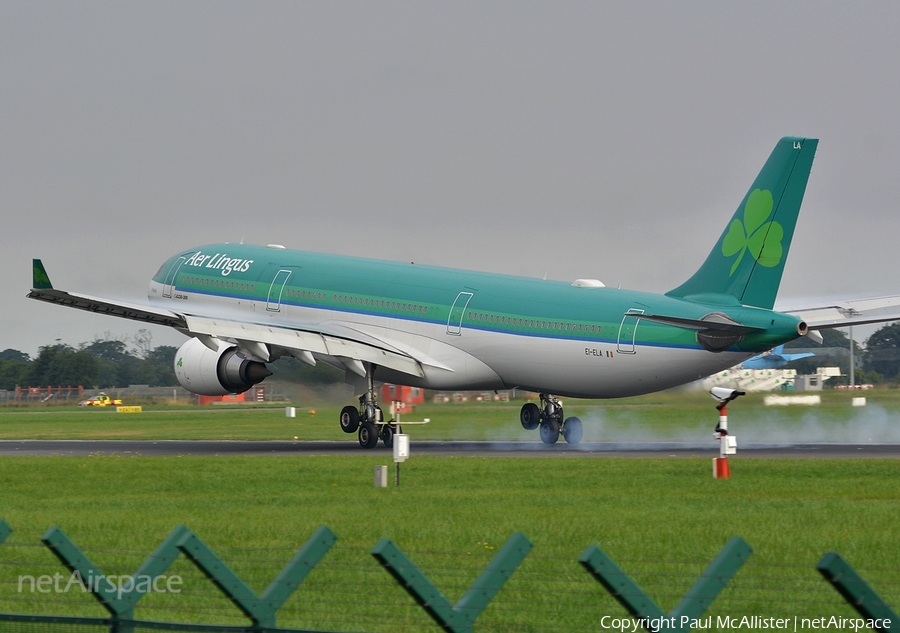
<point x="551" y="420"/>
<point x="367" y="420"/>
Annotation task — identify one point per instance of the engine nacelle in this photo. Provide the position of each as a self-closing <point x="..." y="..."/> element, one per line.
<point x="203" y="371"/>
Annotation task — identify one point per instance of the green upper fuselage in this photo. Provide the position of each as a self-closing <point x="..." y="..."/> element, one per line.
<point x="414" y="292"/>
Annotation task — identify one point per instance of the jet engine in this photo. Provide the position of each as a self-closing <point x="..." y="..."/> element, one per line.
<point x="203" y="371"/>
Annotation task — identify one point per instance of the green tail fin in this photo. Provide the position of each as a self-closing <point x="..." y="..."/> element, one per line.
<point x="746" y="263"/>
<point x="39" y="278"/>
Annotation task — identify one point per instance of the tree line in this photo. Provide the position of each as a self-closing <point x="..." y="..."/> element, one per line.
<point x="102" y="363"/>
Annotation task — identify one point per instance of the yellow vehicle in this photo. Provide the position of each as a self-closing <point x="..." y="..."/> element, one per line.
<point x="100" y="401"/>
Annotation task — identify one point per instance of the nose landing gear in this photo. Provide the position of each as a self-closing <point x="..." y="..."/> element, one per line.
<point x="551" y="419"/>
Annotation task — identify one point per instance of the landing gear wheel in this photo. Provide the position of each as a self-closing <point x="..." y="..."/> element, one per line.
<point x="573" y="430"/>
<point x="530" y="416"/>
<point x="349" y="419"/>
<point x="368" y="435"/>
<point x="387" y="436"/>
<point x="549" y="431"/>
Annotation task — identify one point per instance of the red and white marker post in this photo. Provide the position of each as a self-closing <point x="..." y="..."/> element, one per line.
<point x="727" y="443"/>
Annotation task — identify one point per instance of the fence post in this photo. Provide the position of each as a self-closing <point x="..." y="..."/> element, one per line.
<point x="619" y="584"/>
<point x="299" y="567"/>
<point x="459" y="618"/>
<point x="857" y="592"/>
<point x="698" y="598"/>
<point x="119" y="602"/>
<point x="260" y="609"/>
<point x="77" y="562"/>
<point x="714" y="579"/>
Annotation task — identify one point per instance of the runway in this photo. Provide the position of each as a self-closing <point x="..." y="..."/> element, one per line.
<point x="211" y="448"/>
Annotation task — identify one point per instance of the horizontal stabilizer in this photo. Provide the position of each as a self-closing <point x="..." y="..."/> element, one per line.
<point x="699" y="324"/>
<point x="848" y="313"/>
<point x="776" y="359"/>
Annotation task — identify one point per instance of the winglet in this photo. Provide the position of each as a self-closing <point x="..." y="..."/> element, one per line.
<point x="40" y="280"/>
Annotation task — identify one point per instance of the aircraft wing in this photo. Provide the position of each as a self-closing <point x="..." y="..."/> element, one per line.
<point x="348" y="345"/>
<point x="43" y="290"/>
<point x="133" y="311"/>
<point x="846" y="313"/>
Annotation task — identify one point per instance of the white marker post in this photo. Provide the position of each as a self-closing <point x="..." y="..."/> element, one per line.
<point x="401" y="440"/>
<point x="381" y="473"/>
<point x="401" y="452"/>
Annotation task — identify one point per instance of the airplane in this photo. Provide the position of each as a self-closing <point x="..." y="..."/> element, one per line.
<point x="245" y="306"/>
<point x="776" y="359"/>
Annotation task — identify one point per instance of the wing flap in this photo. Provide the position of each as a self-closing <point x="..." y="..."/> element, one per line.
<point x="348" y="331"/>
<point x="282" y="337"/>
<point x="300" y="341"/>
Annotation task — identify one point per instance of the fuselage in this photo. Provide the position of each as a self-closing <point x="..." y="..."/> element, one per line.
<point x="471" y="330"/>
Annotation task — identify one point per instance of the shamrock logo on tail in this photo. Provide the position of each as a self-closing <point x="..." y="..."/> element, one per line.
<point x="40" y="277"/>
<point x="761" y="238"/>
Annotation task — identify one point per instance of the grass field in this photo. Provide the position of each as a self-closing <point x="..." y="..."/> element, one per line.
<point x="662" y="520"/>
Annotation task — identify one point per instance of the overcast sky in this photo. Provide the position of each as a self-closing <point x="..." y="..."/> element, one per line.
<point x="607" y="140"/>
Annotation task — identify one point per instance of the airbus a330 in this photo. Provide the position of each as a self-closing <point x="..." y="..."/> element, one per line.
<point x="245" y="306"/>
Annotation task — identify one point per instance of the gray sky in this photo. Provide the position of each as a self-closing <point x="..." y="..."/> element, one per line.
<point x="608" y="140"/>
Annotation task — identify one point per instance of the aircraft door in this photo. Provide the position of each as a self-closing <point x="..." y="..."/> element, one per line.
<point x="170" y="277"/>
<point x="457" y="312"/>
<point x="273" y="301"/>
<point x="628" y="331"/>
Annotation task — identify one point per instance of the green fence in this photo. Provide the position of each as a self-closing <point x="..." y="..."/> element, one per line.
<point x="504" y="595"/>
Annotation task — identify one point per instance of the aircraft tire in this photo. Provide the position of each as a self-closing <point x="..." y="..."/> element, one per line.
<point x="549" y="432"/>
<point x="368" y="435"/>
<point x="387" y="436"/>
<point x="349" y="419"/>
<point x="573" y="430"/>
<point x="530" y="416"/>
